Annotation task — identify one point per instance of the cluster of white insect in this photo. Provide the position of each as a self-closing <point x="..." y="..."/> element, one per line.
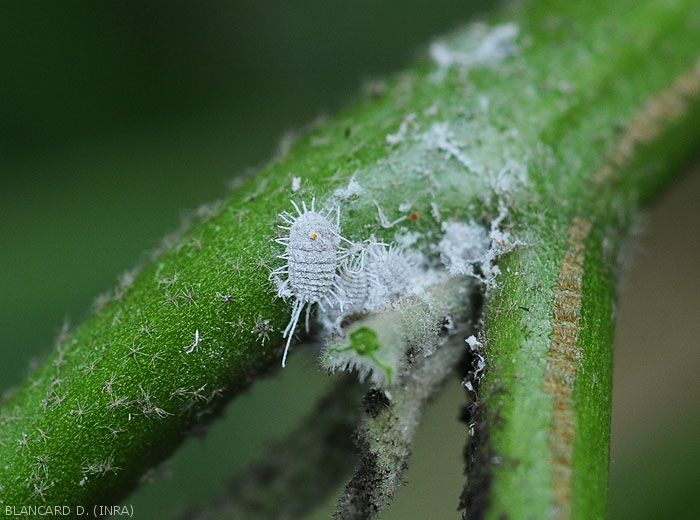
<point x="371" y="276"/>
<point x="324" y="268"/>
<point x="346" y="280"/>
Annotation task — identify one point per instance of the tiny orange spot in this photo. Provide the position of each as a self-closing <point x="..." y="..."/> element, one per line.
<point x="414" y="216"/>
<point x="313" y="236"/>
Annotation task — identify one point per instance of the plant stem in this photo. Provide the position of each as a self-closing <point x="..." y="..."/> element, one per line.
<point x="544" y="404"/>
<point x="526" y="114"/>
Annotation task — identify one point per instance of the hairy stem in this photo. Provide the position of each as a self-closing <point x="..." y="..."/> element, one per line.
<point x="556" y="111"/>
<point x="543" y="422"/>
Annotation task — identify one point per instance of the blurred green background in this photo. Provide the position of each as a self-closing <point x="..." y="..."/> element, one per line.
<point x="116" y="118"/>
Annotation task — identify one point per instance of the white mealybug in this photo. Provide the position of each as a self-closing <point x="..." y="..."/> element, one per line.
<point x="313" y="250"/>
<point x="392" y="269"/>
<point x="354" y="282"/>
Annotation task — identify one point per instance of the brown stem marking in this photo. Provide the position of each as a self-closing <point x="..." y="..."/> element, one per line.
<point x="562" y="362"/>
<point x="647" y="125"/>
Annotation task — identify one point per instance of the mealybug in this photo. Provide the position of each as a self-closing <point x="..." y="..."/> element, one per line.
<point x="354" y="282"/>
<point x="368" y="280"/>
<point x="353" y="285"/>
<point x="392" y="268"/>
<point x="313" y="250"/>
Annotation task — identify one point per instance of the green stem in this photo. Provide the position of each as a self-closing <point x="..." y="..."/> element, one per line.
<point x="529" y="120"/>
<point x="544" y="404"/>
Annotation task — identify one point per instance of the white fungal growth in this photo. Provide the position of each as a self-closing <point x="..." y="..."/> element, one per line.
<point x="462" y="246"/>
<point x="474" y="344"/>
<point x="509" y="177"/>
<point x="440" y="137"/>
<point x="466" y="246"/>
<point x="407" y="124"/>
<point x="481" y="45"/>
<point x="435" y="211"/>
<point x="353" y="189"/>
<point x="405" y="238"/>
<point x="313" y="250"/>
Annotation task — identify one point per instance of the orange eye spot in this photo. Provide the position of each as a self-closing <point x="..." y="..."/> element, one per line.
<point x="313" y="236"/>
<point x="414" y="216"/>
